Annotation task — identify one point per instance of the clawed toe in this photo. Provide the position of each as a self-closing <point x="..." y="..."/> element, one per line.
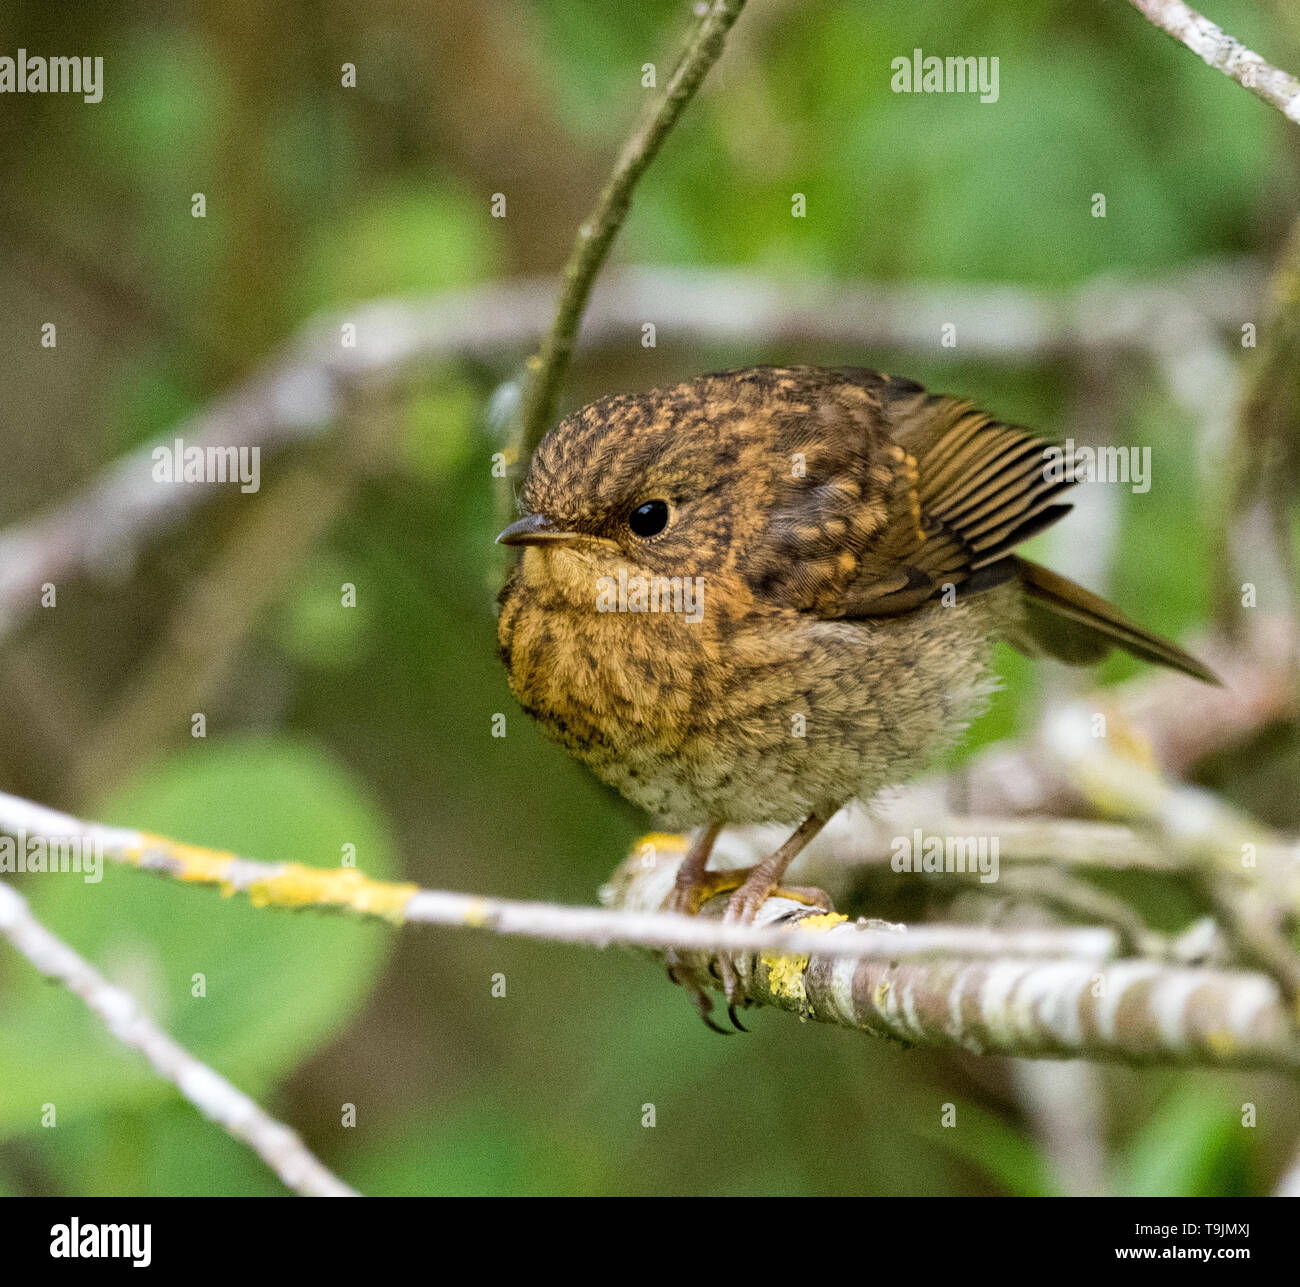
<point x="752" y="888"/>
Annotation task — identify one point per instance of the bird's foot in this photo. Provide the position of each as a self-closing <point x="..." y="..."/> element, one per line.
<point x="688" y="896"/>
<point x="742" y="909"/>
<point x="687" y="899"/>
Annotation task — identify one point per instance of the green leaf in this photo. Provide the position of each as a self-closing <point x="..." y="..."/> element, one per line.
<point x="278" y="984"/>
<point x="1194" y="1145"/>
<point x="999" y="1150"/>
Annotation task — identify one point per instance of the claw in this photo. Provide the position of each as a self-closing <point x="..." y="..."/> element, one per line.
<point x="704" y="1004"/>
<point x="731" y="1014"/>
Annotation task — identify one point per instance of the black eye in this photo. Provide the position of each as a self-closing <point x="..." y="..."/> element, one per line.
<point x="649" y="519"/>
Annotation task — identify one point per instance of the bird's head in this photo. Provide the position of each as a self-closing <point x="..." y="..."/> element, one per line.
<point x="731" y="476"/>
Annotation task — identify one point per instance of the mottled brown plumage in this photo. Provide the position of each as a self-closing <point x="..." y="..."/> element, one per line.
<point x="852" y="538"/>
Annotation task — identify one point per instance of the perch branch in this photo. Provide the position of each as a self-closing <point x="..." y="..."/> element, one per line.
<point x="1063" y="1006"/>
<point x="1215" y="47"/>
<point x="596" y="236"/>
<point x="278" y="1146"/>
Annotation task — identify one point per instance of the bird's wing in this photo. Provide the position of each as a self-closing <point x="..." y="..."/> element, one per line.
<point x="964" y="489"/>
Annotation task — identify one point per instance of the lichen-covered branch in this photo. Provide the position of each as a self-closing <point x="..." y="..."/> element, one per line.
<point x="292" y="885"/>
<point x="1059" y="991"/>
<point x="1066" y="1005"/>
<point x="1215" y="47"/>
<point x="1229" y="1016"/>
<point x="216" y="1098"/>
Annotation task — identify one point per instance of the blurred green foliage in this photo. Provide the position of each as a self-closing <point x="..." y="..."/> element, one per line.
<point x="371" y="725"/>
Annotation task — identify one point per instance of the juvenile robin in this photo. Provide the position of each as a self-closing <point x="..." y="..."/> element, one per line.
<point x="764" y="593"/>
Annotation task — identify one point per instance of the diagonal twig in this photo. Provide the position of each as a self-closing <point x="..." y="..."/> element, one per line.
<point x="1215" y="47"/>
<point x="216" y="1098"/>
<point x="597" y="234"/>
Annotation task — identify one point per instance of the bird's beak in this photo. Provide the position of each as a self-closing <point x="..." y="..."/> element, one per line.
<point x="534" y="529"/>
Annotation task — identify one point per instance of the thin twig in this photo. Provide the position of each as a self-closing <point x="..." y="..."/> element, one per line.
<point x="292" y="885"/>
<point x="278" y="1146"/>
<point x="597" y="235"/>
<point x="1215" y="47"/>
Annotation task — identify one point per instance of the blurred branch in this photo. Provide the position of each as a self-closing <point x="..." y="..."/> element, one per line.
<point x="306" y="389"/>
<point x="1254" y="906"/>
<point x="267" y="545"/>
<point x="1262" y="465"/>
<point x="596" y="236"/>
<point x="1063" y="1102"/>
<point x="1289" y="1185"/>
<point x="1215" y="47"/>
<point x="219" y="1101"/>
<point x="1170" y="720"/>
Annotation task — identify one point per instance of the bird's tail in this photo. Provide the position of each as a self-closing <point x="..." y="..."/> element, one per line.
<point x="1074" y="625"/>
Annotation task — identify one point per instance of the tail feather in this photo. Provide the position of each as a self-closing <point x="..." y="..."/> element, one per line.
<point x="1078" y="627"/>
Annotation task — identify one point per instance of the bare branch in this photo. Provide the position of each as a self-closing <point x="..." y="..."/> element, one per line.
<point x="1215" y="47"/>
<point x="305" y="390"/>
<point x="219" y="1101"/>
<point x="597" y="235"/>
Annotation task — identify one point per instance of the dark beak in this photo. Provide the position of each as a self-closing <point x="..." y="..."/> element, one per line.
<point x="533" y="529"/>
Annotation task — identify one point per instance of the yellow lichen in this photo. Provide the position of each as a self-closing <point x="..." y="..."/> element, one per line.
<point x="290" y="885"/>
<point x="295" y="885"/>
<point x="672" y="842"/>
<point x="190" y="862"/>
<point x="476" y="914"/>
<point x="785" y="974"/>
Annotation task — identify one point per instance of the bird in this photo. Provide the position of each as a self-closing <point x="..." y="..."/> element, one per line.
<point x="764" y="593"/>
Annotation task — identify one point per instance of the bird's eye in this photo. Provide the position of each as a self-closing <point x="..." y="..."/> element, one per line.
<point x="649" y="519"/>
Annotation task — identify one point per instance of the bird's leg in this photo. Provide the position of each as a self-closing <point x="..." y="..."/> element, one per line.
<point x="764" y="879"/>
<point x="692" y="886"/>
